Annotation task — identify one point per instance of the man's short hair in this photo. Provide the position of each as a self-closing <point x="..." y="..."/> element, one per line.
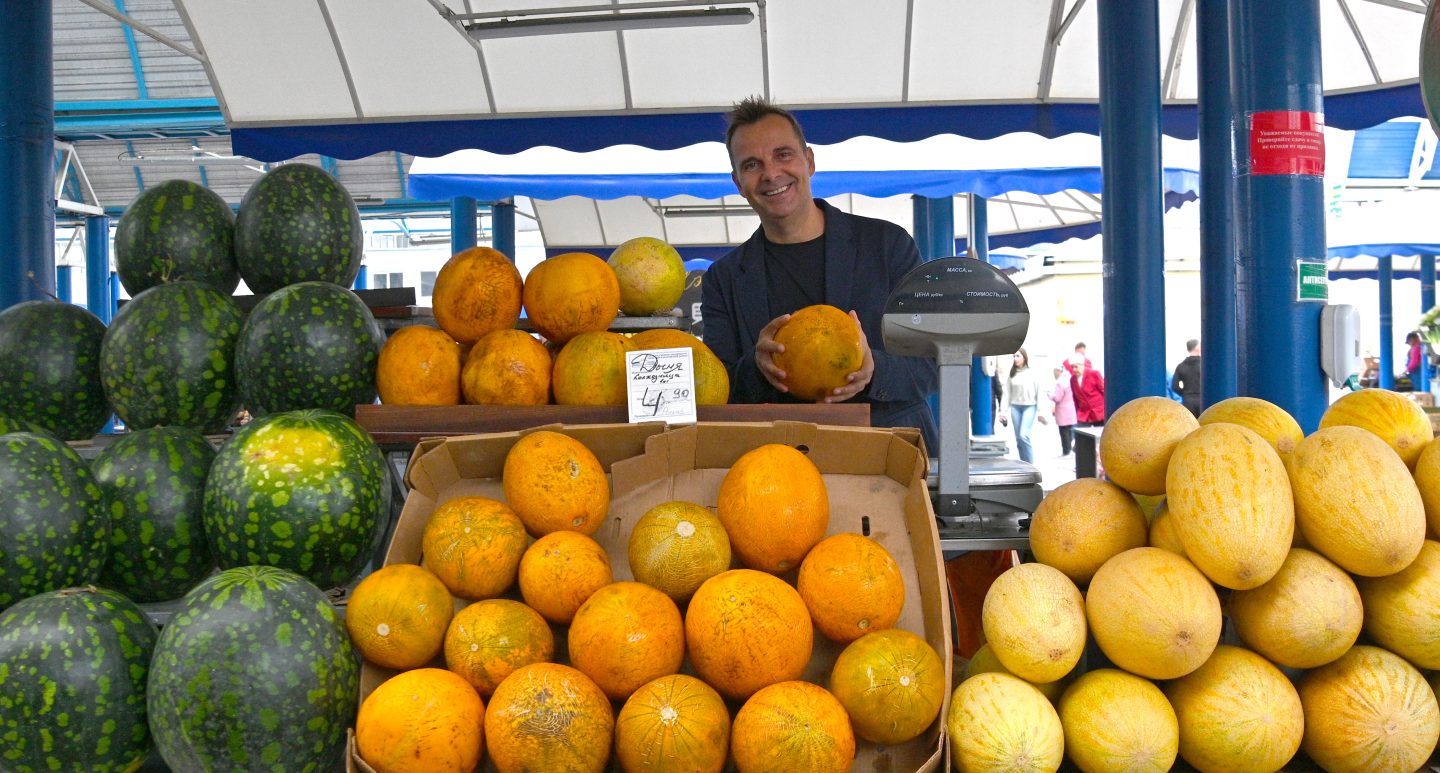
<point x="751" y="110"/>
<point x="1192" y="344"/>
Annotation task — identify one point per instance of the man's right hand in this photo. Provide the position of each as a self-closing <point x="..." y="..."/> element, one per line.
<point x="765" y="350"/>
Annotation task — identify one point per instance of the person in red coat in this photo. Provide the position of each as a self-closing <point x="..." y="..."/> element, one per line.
<point x="1087" y="387"/>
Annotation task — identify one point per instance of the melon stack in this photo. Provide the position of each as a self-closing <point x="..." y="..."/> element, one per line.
<point x="1281" y="600"/>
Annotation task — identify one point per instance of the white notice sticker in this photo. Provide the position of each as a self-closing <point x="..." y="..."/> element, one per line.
<point x="661" y="385"/>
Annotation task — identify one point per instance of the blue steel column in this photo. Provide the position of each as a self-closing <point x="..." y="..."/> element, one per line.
<point x="362" y="278"/>
<point x="1217" y="204"/>
<point x="920" y="209"/>
<point x="1385" y="276"/>
<point x="27" y="151"/>
<point x="1427" y="302"/>
<point x="502" y="227"/>
<point x="1133" y="237"/>
<point x="1277" y="45"/>
<point x="982" y="397"/>
<point x="463" y="223"/>
<point x="97" y="266"/>
<point x="63" y="284"/>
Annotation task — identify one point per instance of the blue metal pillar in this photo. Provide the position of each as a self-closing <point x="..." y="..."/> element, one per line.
<point x="1133" y="236"/>
<point x="362" y="279"/>
<point x="114" y="284"/>
<point x="463" y="222"/>
<point x="1427" y="302"/>
<point x="63" y="289"/>
<point x="27" y="152"/>
<point x="920" y="208"/>
<point x="1217" y="204"/>
<point x="1385" y="276"/>
<point x="982" y="396"/>
<point x="1277" y="69"/>
<point x="502" y="227"/>
<point x="97" y="266"/>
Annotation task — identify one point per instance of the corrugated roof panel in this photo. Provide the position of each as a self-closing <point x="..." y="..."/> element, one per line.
<point x="91" y="58"/>
<point x="1384" y="152"/>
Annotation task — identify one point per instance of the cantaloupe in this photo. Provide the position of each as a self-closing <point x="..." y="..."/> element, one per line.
<point x="1229" y="495"/>
<point x="1392" y="417"/>
<point x="1402" y="610"/>
<point x="1082" y="524"/>
<point x="1355" y="501"/>
<point x="1265" y="418"/>
<point x="1368" y="711"/>
<point x="1034" y="620"/>
<point x="1138" y="440"/>
<point x="1153" y="613"/>
<point x="1308" y="615"/>
<point x="1117" y="721"/>
<point x="1237" y="714"/>
<point x="998" y="722"/>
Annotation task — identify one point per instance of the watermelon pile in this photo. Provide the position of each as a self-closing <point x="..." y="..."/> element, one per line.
<point x="175" y="231"/>
<point x="52" y="373"/>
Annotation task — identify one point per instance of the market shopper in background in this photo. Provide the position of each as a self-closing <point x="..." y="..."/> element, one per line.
<point x="1087" y="389"/>
<point x="1064" y="410"/>
<point x="1186" y="381"/>
<point x="1020" y="392"/>
<point x="807" y="252"/>
<point x="1415" y="358"/>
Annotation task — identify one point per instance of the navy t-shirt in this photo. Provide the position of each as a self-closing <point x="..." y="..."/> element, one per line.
<point x="795" y="275"/>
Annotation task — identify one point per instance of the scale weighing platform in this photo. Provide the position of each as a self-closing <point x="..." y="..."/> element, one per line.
<point x="953" y="310"/>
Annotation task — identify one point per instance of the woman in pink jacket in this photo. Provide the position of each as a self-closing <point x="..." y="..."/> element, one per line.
<point x="1064" y="410"/>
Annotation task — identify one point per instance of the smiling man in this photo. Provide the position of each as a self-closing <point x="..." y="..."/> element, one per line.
<point x="807" y="252"/>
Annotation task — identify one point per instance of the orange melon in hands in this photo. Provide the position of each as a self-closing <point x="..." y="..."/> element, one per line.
<point x="746" y="629"/>
<point x="774" y="506"/>
<point x="477" y="290"/>
<point x="851" y="585"/>
<point x="625" y="635"/>
<point x="397" y="616"/>
<point x="549" y="717"/>
<point x="555" y="483"/>
<point x="489" y="639"/>
<point x="474" y="544"/>
<point x="674" y="723"/>
<point x="822" y="347"/>
<point x="426" y="719"/>
<point x="507" y="367"/>
<point x="560" y="571"/>
<point x="571" y="294"/>
<point x="792" y="726"/>
<point x="419" y="365"/>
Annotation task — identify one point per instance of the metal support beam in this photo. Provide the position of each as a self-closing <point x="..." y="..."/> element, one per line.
<point x="362" y="279"/>
<point x="63" y="283"/>
<point x="27" y="172"/>
<point x="1217" y="204"/>
<point x="1427" y="302"/>
<point x="982" y="391"/>
<point x="463" y="222"/>
<point x="1133" y="236"/>
<point x="97" y="267"/>
<point x="502" y="227"/>
<point x="1385" y="277"/>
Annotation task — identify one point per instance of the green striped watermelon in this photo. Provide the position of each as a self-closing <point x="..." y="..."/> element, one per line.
<point x="54" y="525"/>
<point x="154" y="480"/>
<point x="174" y="231"/>
<point x="254" y="672"/>
<point x="51" y="376"/>
<point x="297" y="224"/>
<point x="305" y="491"/>
<point x="308" y="345"/>
<point x="167" y="358"/>
<point x="73" y="666"/>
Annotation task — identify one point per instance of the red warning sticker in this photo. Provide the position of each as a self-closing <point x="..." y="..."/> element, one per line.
<point x="1287" y="142"/>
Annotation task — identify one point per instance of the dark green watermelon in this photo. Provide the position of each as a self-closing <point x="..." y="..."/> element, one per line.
<point x="73" y="665"/>
<point x="154" y="480"/>
<point x="51" y="373"/>
<point x="297" y="224"/>
<point x="167" y="358"/>
<point x="305" y="491"/>
<point x="174" y="231"/>
<point x="254" y="672"/>
<point x="308" y="345"/>
<point x="54" y="524"/>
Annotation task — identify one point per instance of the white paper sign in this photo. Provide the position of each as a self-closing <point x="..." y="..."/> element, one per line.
<point x="661" y="385"/>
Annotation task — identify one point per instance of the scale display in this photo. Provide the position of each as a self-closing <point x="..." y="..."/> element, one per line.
<point x="956" y="285"/>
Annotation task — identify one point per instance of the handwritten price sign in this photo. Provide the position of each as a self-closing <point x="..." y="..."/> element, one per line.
<point x="661" y="385"/>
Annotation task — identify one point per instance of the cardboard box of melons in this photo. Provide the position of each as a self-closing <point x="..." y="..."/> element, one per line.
<point x="874" y="479"/>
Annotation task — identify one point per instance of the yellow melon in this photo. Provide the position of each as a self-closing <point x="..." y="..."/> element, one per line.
<point x="984" y="661"/>
<point x="998" y="722"/>
<point x="1138" y="440"/>
<point x="1230" y="497"/>
<point x="712" y="380"/>
<point x="1118" y="721"/>
<point x="1355" y="503"/>
<point x="1368" y="711"/>
<point x="570" y="294"/>
<point x="674" y="723"/>
<point x="892" y="684"/>
<point x="1237" y="714"/>
<point x="676" y="546"/>
<point x="425" y="719"/>
<point x="651" y="275"/>
<point x="1082" y="524"/>
<point x="1392" y="417"/>
<point x="822" y="348"/>
<point x="1306" y="616"/>
<point x="590" y="369"/>
<point x="1153" y="613"/>
<point x="1402" y="610"/>
<point x="1034" y="620"/>
<point x="1427" y="479"/>
<point x="792" y="726"/>
<point x="1265" y="418"/>
<point x="1162" y="532"/>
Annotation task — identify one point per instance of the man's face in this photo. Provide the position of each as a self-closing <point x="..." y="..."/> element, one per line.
<point x="771" y="169"/>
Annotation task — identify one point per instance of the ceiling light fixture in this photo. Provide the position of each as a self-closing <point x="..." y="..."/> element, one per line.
<point x="706" y="210"/>
<point x="595" y="18"/>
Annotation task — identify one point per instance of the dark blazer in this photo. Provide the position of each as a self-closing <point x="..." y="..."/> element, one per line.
<point x="864" y="258"/>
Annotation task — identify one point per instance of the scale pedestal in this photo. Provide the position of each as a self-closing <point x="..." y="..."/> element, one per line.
<point x="953" y="310"/>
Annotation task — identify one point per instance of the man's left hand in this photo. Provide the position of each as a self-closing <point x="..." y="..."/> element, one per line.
<point x="860" y="379"/>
